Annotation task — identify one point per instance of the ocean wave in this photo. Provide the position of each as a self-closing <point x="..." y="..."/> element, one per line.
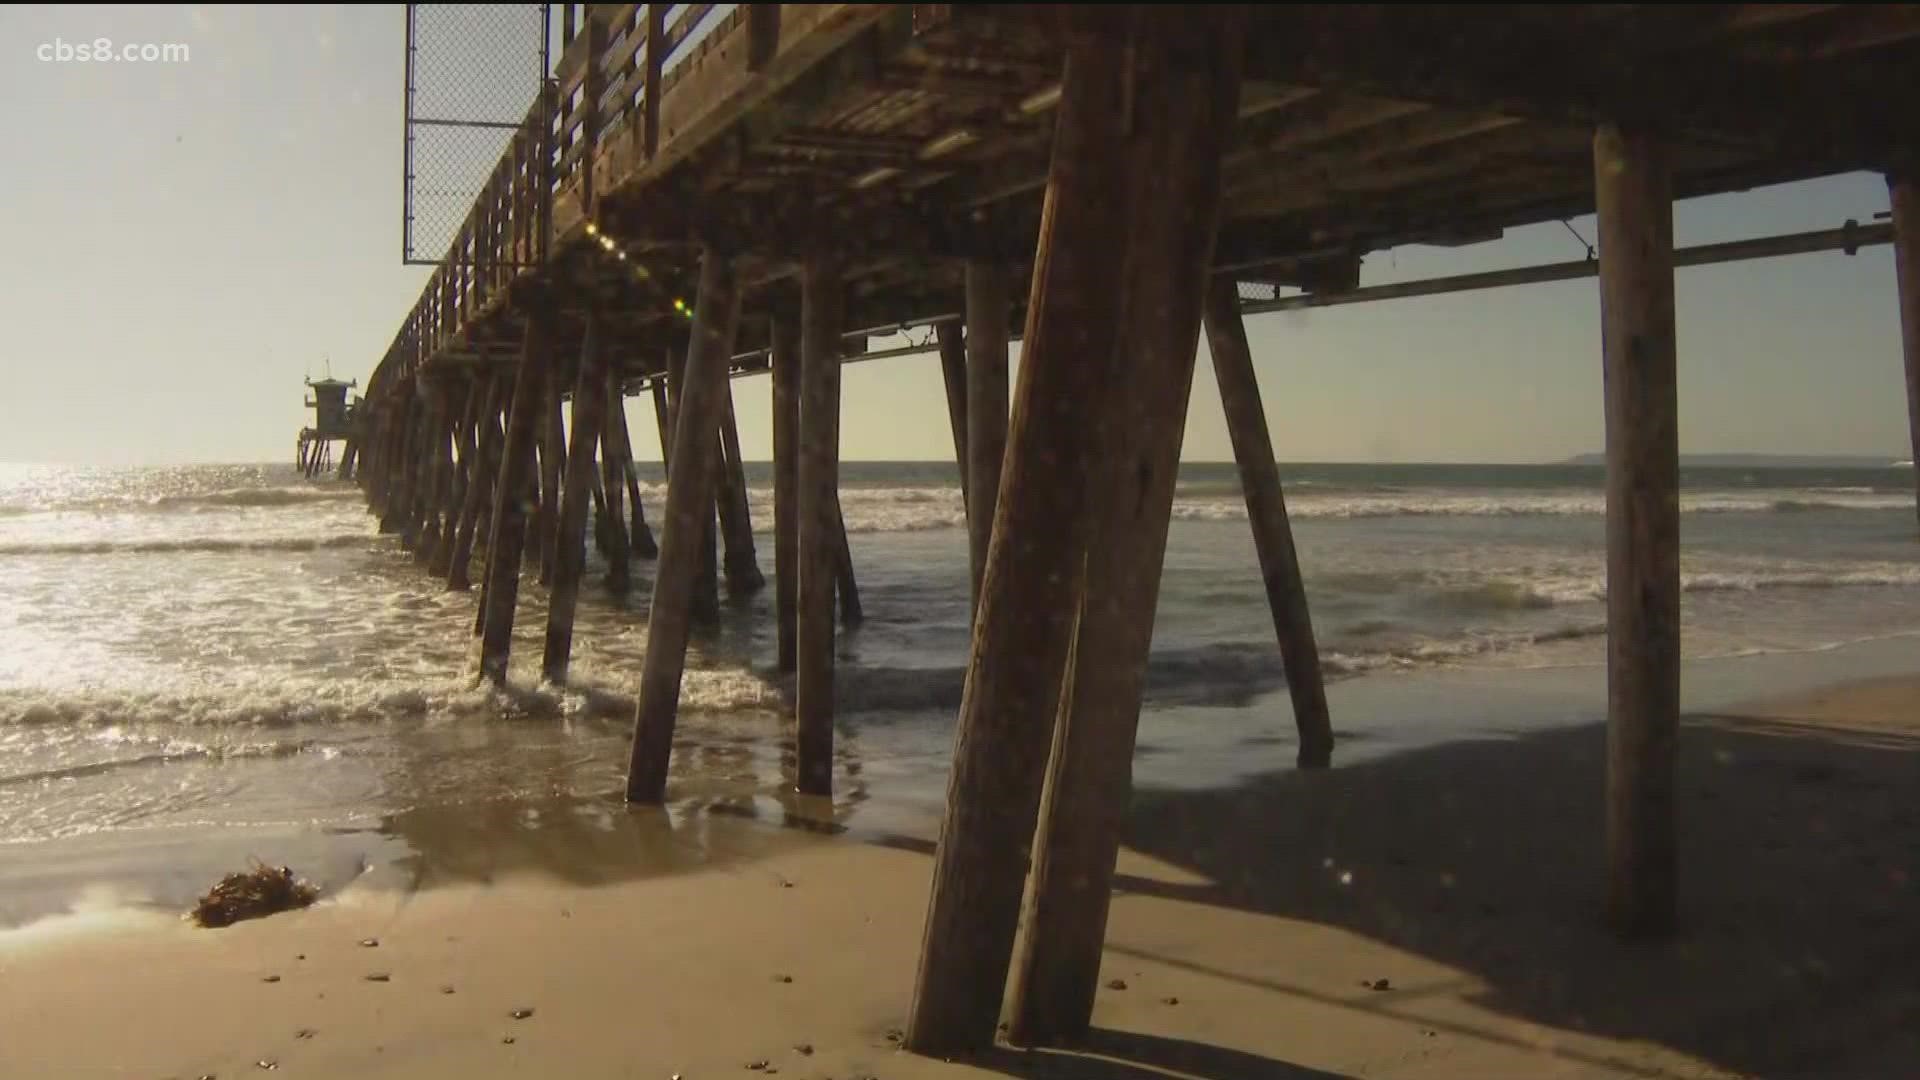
<point x="182" y="545"/>
<point x="174" y="752"/>
<point x="1557" y="591"/>
<point x="880" y="510"/>
<point x="240" y="498"/>
<point x="257" y="496"/>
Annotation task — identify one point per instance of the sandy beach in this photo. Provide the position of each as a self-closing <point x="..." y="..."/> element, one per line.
<point x="1425" y="914"/>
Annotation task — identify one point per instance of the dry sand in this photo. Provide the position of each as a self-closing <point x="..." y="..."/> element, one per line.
<point x="1466" y="876"/>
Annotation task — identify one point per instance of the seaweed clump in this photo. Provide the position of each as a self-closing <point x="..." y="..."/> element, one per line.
<point x="253" y="893"/>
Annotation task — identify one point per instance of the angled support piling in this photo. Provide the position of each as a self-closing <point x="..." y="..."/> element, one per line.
<point x="507" y="535"/>
<point x="1634" y="198"/>
<point x="988" y="310"/>
<point x="570" y="544"/>
<point x="953" y="374"/>
<point x="641" y="536"/>
<point x="486" y="464"/>
<point x="736" y="517"/>
<point x="1187" y="104"/>
<point x="461" y="474"/>
<point x="1267" y="513"/>
<point x="1030" y="592"/>
<point x="689" y="508"/>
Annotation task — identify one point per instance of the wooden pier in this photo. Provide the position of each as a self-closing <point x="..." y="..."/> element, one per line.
<point x="1101" y="183"/>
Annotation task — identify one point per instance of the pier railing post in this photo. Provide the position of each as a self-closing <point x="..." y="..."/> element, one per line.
<point x="1030" y="592"/>
<point x="1633" y="193"/>
<point x="570" y="543"/>
<point x="1267" y="513"/>
<point x="1903" y="189"/>
<point x="689" y="507"/>
<point x="989" y="306"/>
<point x="1186" y="102"/>
<point x="786" y="484"/>
<point x="823" y="307"/>
<point x="507" y="536"/>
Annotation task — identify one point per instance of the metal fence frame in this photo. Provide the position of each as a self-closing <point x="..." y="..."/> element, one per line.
<point x="408" y="255"/>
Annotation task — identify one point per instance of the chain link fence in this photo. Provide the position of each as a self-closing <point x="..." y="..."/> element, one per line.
<point x="473" y="71"/>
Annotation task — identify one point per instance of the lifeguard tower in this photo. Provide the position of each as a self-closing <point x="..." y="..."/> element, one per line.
<point x="333" y="418"/>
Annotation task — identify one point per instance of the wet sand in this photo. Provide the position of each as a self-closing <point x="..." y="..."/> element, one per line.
<point x="1465" y="876"/>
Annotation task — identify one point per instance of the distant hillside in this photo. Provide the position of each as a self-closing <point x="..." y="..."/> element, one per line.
<point x="1765" y="461"/>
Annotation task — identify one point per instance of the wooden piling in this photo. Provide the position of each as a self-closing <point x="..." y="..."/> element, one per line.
<point x="570" y="546"/>
<point x="736" y="515"/>
<point x="553" y="465"/>
<point x="988" y="308"/>
<point x="420" y="465"/>
<point x="786" y="485"/>
<point x="953" y="374"/>
<point x="394" y="505"/>
<point x="461" y="476"/>
<point x="822" y="311"/>
<point x="440" y="466"/>
<point x="617" y="547"/>
<point x="641" y="536"/>
<point x="1903" y="188"/>
<point x="507" y="535"/>
<point x="706" y="581"/>
<point x="1029" y="596"/>
<point x="1187" y="112"/>
<point x="851" y="611"/>
<point x="1634" y="198"/>
<point x="1267" y="514"/>
<point x="480" y="485"/>
<point x="689" y="507"/>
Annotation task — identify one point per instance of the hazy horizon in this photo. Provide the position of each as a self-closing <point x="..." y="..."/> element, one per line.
<point x="195" y="238"/>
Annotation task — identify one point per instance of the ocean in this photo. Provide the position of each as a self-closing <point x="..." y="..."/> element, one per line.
<point x="202" y="665"/>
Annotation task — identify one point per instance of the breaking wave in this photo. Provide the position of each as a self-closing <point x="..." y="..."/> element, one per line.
<point x="180" y="545"/>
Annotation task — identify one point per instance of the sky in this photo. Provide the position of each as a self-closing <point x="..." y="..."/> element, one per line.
<point x="184" y="242"/>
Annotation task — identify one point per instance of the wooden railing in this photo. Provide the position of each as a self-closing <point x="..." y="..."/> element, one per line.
<point x="598" y="120"/>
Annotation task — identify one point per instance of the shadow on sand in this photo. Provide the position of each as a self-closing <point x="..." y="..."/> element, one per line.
<point x="1799" y="951"/>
